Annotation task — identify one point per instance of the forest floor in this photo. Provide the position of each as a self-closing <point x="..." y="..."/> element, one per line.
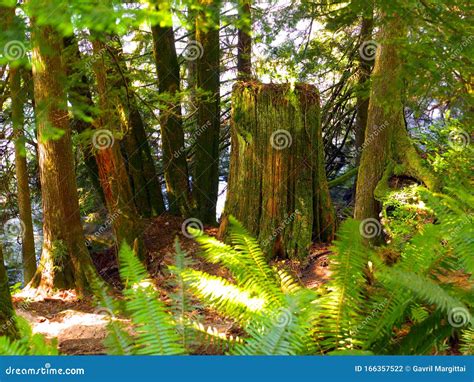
<point x="80" y="327"/>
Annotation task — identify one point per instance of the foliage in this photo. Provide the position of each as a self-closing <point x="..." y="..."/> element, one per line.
<point x="409" y="305"/>
<point x="370" y="306"/>
<point x="273" y="310"/>
<point x="28" y="343"/>
<point x="154" y="330"/>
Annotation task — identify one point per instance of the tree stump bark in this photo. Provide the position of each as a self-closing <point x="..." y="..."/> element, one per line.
<point x="277" y="184"/>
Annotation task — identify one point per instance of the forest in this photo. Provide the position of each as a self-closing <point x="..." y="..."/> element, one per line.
<point x="236" y="177"/>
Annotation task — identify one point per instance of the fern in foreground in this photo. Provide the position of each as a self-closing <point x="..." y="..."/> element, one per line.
<point x="273" y="310"/>
<point x="412" y="305"/>
<point x="153" y="328"/>
<point x="28" y="343"/>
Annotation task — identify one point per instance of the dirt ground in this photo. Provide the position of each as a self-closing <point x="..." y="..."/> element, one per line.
<point x="80" y="327"/>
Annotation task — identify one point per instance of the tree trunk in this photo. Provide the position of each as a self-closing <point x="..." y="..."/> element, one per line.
<point x="362" y="105"/>
<point x="172" y="134"/>
<point x="112" y="171"/>
<point x="23" y="189"/>
<point x="18" y="98"/>
<point x="206" y="166"/>
<point x="65" y="262"/>
<point x="244" y="44"/>
<point x="7" y="313"/>
<point x="141" y="168"/>
<point x="80" y="98"/>
<point x="388" y="149"/>
<point x="277" y="184"/>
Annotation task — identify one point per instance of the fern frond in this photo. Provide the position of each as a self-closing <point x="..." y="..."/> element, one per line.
<point x="214" y="340"/>
<point x="421" y="287"/>
<point x="467" y="341"/>
<point x="118" y="341"/>
<point x="156" y="333"/>
<point x="248" y="246"/>
<point x="28" y="343"/>
<point x="282" y="331"/>
<point x="181" y="306"/>
<point x="226" y="298"/>
<point x="423" y="336"/>
<point x="245" y="261"/>
<point x="9" y="347"/>
<point x="385" y="310"/>
<point x="287" y="282"/>
<point x="341" y="306"/>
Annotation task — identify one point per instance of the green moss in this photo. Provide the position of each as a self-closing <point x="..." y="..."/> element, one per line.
<point x="277" y="183"/>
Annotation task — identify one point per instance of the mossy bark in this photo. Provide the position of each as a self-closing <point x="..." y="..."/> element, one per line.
<point x="7" y="313"/>
<point x="141" y="168"/>
<point x="365" y="66"/>
<point x="388" y="149"/>
<point x="277" y="184"/>
<point x="80" y="97"/>
<point x="206" y="160"/>
<point x="244" y="41"/>
<point x="172" y="134"/>
<point x="18" y="98"/>
<point x="144" y="178"/>
<point x="112" y="171"/>
<point x="23" y="188"/>
<point x="65" y="261"/>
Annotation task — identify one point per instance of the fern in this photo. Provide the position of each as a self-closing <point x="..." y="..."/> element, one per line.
<point x="368" y="306"/>
<point x="339" y="317"/>
<point x="224" y="296"/>
<point x="467" y="341"/>
<point x="245" y="260"/>
<point x="29" y="343"/>
<point x="154" y="328"/>
<point x="212" y="340"/>
<point x="273" y="310"/>
<point x="181" y="304"/>
<point x="381" y="303"/>
<point x="118" y="341"/>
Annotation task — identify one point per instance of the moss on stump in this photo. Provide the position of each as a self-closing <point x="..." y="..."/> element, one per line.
<point x="277" y="184"/>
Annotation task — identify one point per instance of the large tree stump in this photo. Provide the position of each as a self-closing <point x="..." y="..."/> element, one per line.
<point x="277" y="184"/>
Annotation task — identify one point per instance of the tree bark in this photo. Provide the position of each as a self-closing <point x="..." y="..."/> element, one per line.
<point x="206" y="166"/>
<point x="362" y="104"/>
<point x="172" y="134"/>
<point x="7" y="313"/>
<point x="23" y="189"/>
<point x="112" y="171"/>
<point x="141" y="168"/>
<point x="18" y="98"/>
<point x="388" y="149"/>
<point x="80" y="98"/>
<point x="277" y="185"/>
<point x="65" y="262"/>
<point x="244" y="44"/>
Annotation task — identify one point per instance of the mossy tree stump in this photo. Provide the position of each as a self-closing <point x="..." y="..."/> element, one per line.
<point x="277" y="184"/>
